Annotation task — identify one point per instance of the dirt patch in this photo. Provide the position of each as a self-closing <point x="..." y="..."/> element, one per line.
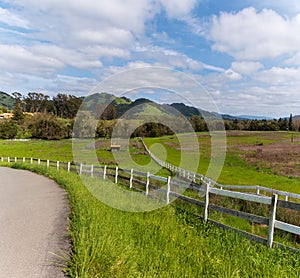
<point x="282" y="157"/>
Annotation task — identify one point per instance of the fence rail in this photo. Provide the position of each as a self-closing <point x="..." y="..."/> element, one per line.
<point x="168" y="188"/>
<point x="199" y="178"/>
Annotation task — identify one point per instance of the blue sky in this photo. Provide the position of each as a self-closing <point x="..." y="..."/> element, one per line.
<point x="246" y="54"/>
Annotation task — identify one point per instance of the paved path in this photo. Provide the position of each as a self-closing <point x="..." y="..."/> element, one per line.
<point x="33" y="221"/>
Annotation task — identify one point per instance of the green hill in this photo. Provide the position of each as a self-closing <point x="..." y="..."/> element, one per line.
<point x="6" y="100"/>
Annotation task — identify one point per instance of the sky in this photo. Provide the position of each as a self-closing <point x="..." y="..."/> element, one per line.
<point x="245" y="54"/>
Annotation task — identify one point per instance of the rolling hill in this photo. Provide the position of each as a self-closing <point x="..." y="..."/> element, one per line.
<point x="6" y="100"/>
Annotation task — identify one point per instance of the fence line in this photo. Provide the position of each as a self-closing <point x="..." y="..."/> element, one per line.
<point x="150" y="184"/>
<point x="199" y="178"/>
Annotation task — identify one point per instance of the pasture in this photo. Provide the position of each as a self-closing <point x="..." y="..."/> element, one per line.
<point x="170" y="242"/>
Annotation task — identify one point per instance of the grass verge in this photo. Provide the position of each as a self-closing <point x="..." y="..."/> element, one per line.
<point x="162" y="243"/>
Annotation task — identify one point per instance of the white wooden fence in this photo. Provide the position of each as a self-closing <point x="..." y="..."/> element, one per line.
<point x="167" y="188"/>
<point x="199" y="178"/>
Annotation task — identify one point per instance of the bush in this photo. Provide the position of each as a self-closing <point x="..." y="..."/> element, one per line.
<point x="8" y="129"/>
<point x="45" y="126"/>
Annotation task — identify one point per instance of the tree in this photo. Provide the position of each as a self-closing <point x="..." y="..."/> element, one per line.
<point x="66" y="106"/>
<point x="45" y="126"/>
<point x="8" y="130"/>
<point x="290" y="122"/>
<point x="18" y="113"/>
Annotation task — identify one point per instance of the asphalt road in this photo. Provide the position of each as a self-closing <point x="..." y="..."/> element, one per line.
<point x="33" y="225"/>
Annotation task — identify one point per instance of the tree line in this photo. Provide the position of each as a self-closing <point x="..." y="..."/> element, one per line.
<point x="40" y="116"/>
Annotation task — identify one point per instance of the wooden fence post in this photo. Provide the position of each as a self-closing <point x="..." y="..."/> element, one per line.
<point x="272" y="219"/>
<point x="48" y="163"/>
<point x="69" y="166"/>
<point x="57" y="165"/>
<point x="131" y="178"/>
<point x="16" y="160"/>
<point x="257" y="190"/>
<point x="8" y="159"/>
<point x="92" y="170"/>
<point x="31" y="160"/>
<point x="104" y="172"/>
<point x="39" y="161"/>
<point x="2" y="159"/>
<point x="206" y="201"/>
<point x="116" y="176"/>
<point x="24" y="159"/>
<point x="147" y="183"/>
<point x="168" y="189"/>
<point x="80" y="169"/>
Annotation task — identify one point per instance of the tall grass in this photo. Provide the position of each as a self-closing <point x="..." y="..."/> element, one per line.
<point x="162" y="243"/>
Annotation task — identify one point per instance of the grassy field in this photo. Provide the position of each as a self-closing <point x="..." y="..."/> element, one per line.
<point x="240" y="168"/>
<point x="167" y="242"/>
<point x="163" y="243"/>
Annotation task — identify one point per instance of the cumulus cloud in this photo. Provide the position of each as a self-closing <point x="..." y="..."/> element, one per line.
<point x="178" y="8"/>
<point x="17" y="58"/>
<point x="249" y="34"/>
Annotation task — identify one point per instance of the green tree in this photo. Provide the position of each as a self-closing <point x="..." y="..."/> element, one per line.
<point x="290" y="122"/>
<point x="45" y="126"/>
<point x="8" y="129"/>
<point x="17" y="111"/>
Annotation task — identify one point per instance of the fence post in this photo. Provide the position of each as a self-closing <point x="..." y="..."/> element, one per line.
<point x="39" y="161"/>
<point x="286" y="198"/>
<point x="48" y="163"/>
<point x="80" y="169"/>
<point x="92" y="170"/>
<point x="31" y="160"/>
<point x="116" y="176"/>
<point x="257" y="190"/>
<point x="206" y="201"/>
<point x="131" y="178"/>
<point x="104" y="172"/>
<point x="168" y="189"/>
<point x="57" y="165"/>
<point x="16" y="160"/>
<point x="272" y="219"/>
<point x="69" y="166"/>
<point x="8" y="159"/>
<point x="147" y="183"/>
<point x="24" y="159"/>
<point x="2" y="159"/>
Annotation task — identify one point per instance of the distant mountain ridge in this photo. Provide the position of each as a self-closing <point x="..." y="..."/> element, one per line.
<point x="249" y="117"/>
<point x="124" y="104"/>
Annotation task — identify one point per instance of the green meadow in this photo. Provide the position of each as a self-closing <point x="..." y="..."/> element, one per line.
<point x="168" y="242"/>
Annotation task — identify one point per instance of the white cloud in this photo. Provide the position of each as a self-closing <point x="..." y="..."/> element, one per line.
<point x="254" y="35"/>
<point x="280" y="77"/>
<point x="68" y="57"/>
<point x="294" y="60"/>
<point x="178" y="8"/>
<point x="19" y="59"/>
<point x="246" y="67"/>
<point x="12" y="19"/>
<point x="94" y="14"/>
<point x="232" y="75"/>
<point x="109" y="36"/>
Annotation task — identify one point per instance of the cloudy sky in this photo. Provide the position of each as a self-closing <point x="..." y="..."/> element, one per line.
<point x="246" y="54"/>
